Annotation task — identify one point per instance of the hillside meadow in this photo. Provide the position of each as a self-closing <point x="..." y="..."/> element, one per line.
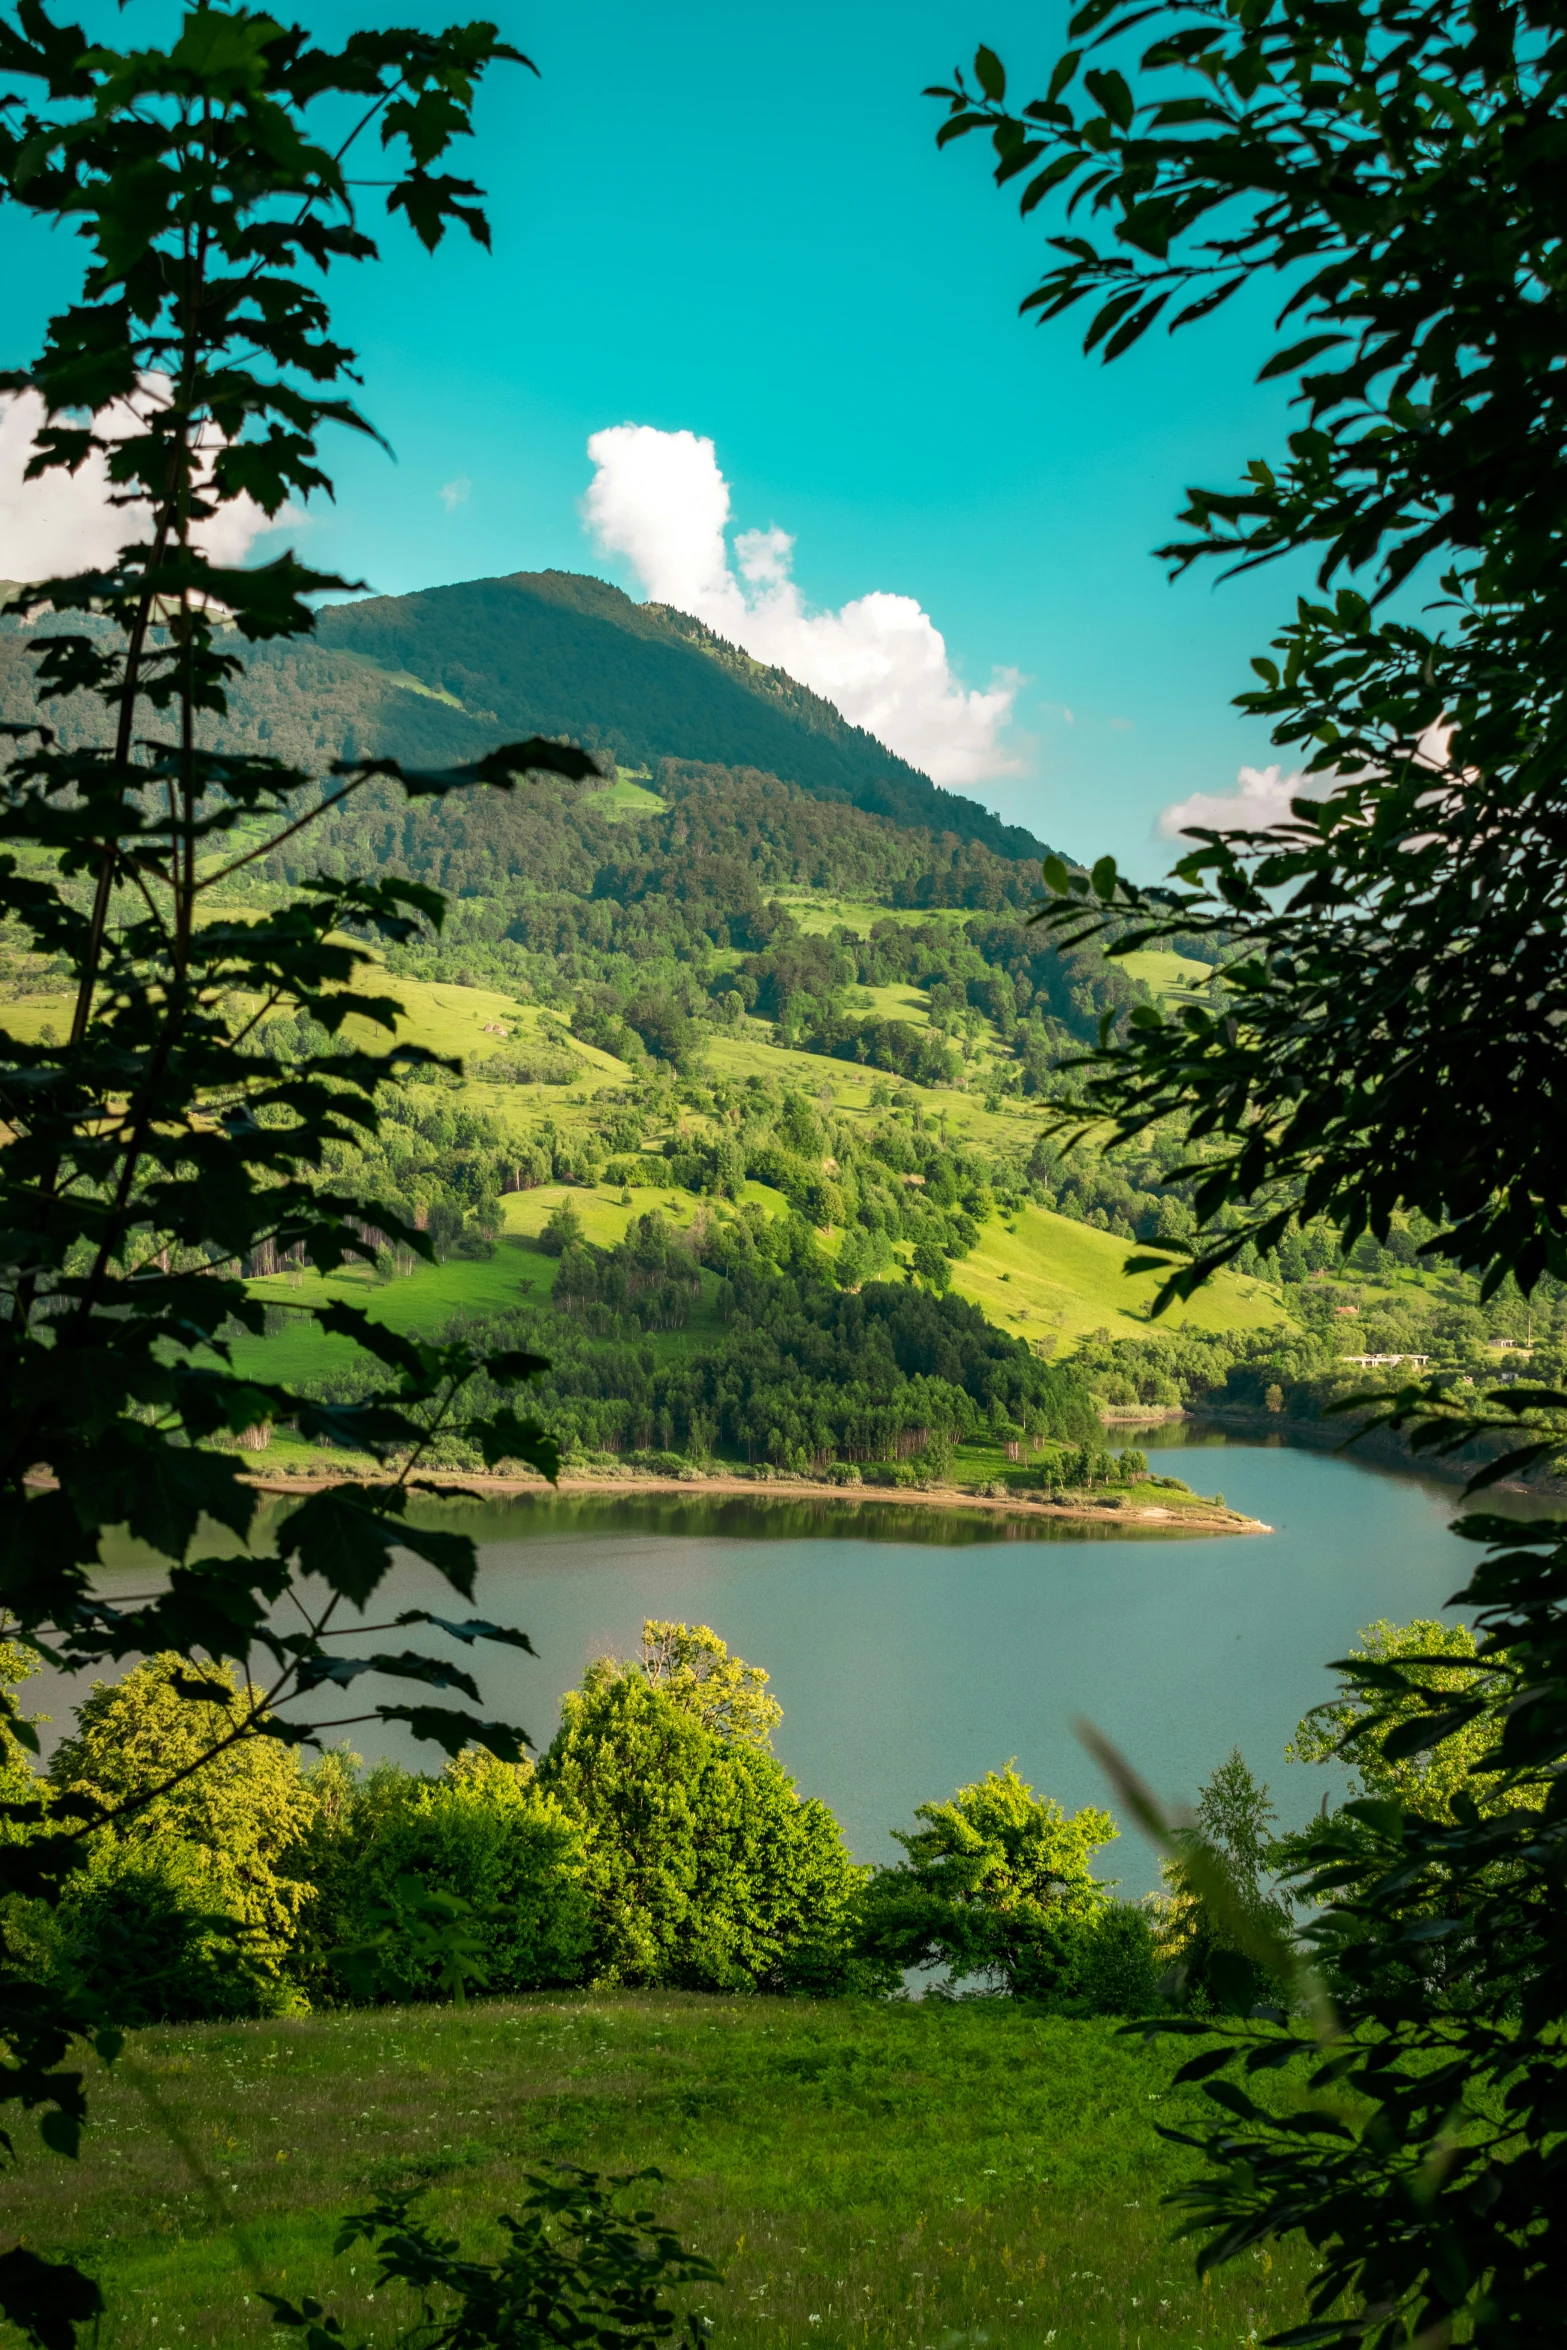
<point x="1044" y="1278"/>
<point x="896" y="2177"/>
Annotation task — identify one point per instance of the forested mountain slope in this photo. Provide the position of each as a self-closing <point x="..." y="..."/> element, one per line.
<point x="441" y="675"/>
<point x="706" y="836"/>
<point x="552" y="652"/>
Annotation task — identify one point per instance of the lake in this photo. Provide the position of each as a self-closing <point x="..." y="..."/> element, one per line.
<point x="913" y="1650"/>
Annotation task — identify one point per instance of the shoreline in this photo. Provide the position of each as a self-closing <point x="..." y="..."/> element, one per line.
<point x="1201" y="1517"/>
<point x="1384" y="1448"/>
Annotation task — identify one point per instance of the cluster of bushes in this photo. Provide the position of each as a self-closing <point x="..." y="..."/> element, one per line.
<point x="898" y="1046"/>
<point x="529" y="1063"/>
<point x="658" y="1843"/>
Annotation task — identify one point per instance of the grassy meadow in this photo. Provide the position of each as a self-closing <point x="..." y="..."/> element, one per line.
<point x="1177" y="978"/>
<point x="1041" y="1276"/>
<point x="889" y="2177"/>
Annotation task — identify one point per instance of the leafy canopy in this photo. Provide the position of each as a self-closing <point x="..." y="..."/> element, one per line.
<point x="1394" y="1022"/>
<point x="703" y="1866"/>
<point x="1391" y="1025"/>
<point x="153" y="1156"/>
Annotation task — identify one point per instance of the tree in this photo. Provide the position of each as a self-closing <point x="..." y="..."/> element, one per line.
<point x="480" y="1837"/>
<point x="562" y="1229"/>
<point x="1006" y="1847"/>
<point x="1224" y="1906"/>
<point x="930" y="1263"/>
<point x="152" y="1155"/>
<point x="999" y="1882"/>
<point x="1390" y="1030"/>
<point x="1435" y="1660"/>
<point x="694" y="1667"/>
<point x="187" y="1907"/>
<point x="703" y="1867"/>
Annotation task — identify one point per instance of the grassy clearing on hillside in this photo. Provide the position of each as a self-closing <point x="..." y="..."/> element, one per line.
<point x="462" y="1021"/>
<point x="418" y="1304"/>
<point x="1178" y="978"/>
<point x="892" y="2177"/>
<point x="897" y="1002"/>
<point x="1050" y="1277"/>
<point x="626" y="797"/>
<point x="850" y="1085"/>
<point x="818" y="913"/>
<point x="29" y="1015"/>
<point x="451" y="1019"/>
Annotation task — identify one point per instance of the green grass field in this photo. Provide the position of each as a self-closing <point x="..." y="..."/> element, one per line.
<point x="1178" y="978"/>
<point x="1048" y="1277"/>
<point x="891" y="2177"/>
<point x="627" y="797"/>
<point x="818" y="911"/>
<point x="897" y="1002"/>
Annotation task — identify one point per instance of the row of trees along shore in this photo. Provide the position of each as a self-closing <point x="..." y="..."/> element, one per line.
<point x="659" y="1844"/>
<point x="1389" y="1038"/>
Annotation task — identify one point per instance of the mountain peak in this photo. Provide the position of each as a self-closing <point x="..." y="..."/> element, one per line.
<point x="565" y="653"/>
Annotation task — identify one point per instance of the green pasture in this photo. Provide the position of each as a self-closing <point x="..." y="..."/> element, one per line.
<point x="418" y="1304"/>
<point x="818" y="912"/>
<point x="28" y="1016"/>
<point x="879" y="2176"/>
<point x="626" y="797"/>
<point x="1177" y="978"/>
<point x="897" y="1002"/>
<point x="474" y="1023"/>
<point x="1043" y="1276"/>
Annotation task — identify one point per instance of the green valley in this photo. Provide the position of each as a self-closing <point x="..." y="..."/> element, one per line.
<point x="529" y="1134"/>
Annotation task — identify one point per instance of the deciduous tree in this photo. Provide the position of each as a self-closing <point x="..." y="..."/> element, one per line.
<point x="149" y="1157"/>
<point x="1390" y="1029"/>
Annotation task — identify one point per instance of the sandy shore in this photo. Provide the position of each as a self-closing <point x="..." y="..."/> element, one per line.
<point x="1123" y="1509"/>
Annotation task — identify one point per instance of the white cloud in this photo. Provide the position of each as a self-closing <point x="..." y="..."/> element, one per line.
<point x="659" y="500"/>
<point x="1263" y="794"/>
<point x="1262" y="797"/>
<point x="64" y="522"/>
<point x="453" y="494"/>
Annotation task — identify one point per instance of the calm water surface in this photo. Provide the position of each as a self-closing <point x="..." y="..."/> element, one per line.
<point x="907" y="1667"/>
<point x="912" y="1652"/>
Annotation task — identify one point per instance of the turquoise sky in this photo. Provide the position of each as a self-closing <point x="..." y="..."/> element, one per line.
<point x="735" y="221"/>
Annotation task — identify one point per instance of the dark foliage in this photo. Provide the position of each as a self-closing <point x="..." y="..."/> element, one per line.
<point x="153" y="1154"/>
<point x="1391" y="1036"/>
<point x="1427" y="2158"/>
<point x="579" y="2270"/>
<point x="1394" y="1022"/>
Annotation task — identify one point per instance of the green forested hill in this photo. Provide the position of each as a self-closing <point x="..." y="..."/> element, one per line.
<point x="551" y="652"/>
<point x="441" y="675"/>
